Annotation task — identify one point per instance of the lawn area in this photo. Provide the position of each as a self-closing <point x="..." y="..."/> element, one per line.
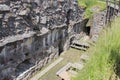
<point x="104" y="63"/>
<point x="72" y="55"/>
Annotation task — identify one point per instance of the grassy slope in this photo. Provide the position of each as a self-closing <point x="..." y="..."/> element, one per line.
<point x="104" y="55"/>
<point x="89" y="4"/>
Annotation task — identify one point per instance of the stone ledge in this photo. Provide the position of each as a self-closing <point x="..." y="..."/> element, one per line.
<point x="15" y="38"/>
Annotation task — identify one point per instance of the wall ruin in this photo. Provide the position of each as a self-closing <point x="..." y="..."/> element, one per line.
<point x="34" y="32"/>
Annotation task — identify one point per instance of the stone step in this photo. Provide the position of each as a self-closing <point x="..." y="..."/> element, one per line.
<point x="78" y="66"/>
<point x="82" y="44"/>
<point x="78" y="47"/>
<point x="84" y="57"/>
<point x="73" y="72"/>
<point x="64" y="68"/>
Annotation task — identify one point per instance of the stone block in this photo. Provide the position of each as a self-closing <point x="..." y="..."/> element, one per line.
<point x="4" y="7"/>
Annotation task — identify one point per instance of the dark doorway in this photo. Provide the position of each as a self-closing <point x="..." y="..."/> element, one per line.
<point x="87" y="30"/>
<point x="60" y="47"/>
<point x="71" y="40"/>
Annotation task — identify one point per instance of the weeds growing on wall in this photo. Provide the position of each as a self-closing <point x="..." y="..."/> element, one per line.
<point x="105" y="56"/>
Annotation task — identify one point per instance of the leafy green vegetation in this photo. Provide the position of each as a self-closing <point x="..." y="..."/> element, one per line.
<point x="105" y="56"/>
<point x="92" y="6"/>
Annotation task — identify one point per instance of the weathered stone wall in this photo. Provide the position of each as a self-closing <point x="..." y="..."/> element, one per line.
<point x="112" y="11"/>
<point x="97" y="25"/>
<point x="34" y="32"/>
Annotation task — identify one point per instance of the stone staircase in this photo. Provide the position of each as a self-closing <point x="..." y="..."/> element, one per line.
<point x="81" y="44"/>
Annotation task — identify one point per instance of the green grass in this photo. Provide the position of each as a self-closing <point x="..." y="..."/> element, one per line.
<point x="90" y="4"/>
<point x="72" y="55"/>
<point x="105" y="56"/>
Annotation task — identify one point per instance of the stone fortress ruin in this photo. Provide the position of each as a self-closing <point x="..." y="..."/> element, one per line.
<point x="34" y="32"/>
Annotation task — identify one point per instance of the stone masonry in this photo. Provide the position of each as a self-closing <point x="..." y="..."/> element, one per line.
<point x="34" y="32"/>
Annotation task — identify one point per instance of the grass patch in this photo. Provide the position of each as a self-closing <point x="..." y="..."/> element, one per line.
<point x="72" y="55"/>
<point x="91" y="4"/>
<point x="105" y="56"/>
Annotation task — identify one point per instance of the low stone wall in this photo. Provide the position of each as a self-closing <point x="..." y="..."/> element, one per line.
<point x="97" y="25"/>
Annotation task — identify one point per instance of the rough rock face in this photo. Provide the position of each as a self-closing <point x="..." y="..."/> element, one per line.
<point x="34" y="32"/>
<point x="23" y="16"/>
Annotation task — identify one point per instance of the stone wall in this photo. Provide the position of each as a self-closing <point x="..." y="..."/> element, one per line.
<point x="34" y="32"/>
<point x="112" y="11"/>
<point x="98" y="24"/>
